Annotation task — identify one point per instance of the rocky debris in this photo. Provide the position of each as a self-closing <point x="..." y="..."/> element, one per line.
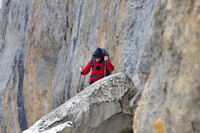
<point x="101" y="107"/>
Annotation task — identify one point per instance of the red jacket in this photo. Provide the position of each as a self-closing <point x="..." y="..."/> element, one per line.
<point x="98" y="69"/>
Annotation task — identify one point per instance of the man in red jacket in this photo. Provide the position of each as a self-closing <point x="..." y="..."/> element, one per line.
<point x="98" y="71"/>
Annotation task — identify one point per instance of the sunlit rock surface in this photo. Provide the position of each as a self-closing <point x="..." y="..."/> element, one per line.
<point x="170" y="101"/>
<point x="43" y="43"/>
<point x="103" y="107"/>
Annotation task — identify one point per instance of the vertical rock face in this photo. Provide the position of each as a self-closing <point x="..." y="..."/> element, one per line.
<point x="43" y="44"/>
<point x="156" y="43"/>
<point x="13" y="25"/>
<point x="170" y="101"/>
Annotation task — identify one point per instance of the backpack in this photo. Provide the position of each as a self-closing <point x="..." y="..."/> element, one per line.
<point x="105" y="53"/>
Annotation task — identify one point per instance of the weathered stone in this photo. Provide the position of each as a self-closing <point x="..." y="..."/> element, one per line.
<point x="170" y="101"/>
<point x="43" y="43"/>
<point x="54" y="38"/>
<point x="13" y="28"/>
<point x="103" y="107"/>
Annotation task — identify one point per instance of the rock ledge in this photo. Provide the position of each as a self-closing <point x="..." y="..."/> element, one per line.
<point x="102" y="107"/>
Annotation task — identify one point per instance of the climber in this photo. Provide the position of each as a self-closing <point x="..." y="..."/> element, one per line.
<point x="100" y="64"/>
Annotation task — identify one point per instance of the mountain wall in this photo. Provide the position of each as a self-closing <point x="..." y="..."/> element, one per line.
<point x="155" y="42"/>
<point x="170" y="101"/>
<point x="43" y="44"/>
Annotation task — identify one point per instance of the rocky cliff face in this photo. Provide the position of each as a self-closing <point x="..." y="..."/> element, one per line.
<point x="156" y="43"/>
<point x="43" y="43"/>
<point x="170" y="101"/>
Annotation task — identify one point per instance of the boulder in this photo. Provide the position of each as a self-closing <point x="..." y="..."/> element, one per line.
<point x="106" y="106"/>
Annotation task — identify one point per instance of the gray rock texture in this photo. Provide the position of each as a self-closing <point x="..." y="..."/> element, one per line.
<point x="170" y="101"/>
<point x="13" y="28"/>
<point x="103" y="107"/>
<point x="155" y="42"/>
<point x="51" y="39"/>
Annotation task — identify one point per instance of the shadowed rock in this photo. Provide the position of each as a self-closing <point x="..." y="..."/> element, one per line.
<point x="103" y="107"/>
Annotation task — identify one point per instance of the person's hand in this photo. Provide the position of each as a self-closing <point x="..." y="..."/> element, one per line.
<point x="105" y="58"/>
<point x="81" y="69"/>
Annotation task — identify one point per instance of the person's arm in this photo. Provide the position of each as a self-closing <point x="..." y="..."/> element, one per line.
<point x="109" y="65"/>
<point x="86" y="70"/>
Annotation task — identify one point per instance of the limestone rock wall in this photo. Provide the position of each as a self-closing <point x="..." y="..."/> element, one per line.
<point x="170" y="101"/>
<point x="43" y="44"/>
<point x="155" y="42"/>
<point x="13" y="29"/>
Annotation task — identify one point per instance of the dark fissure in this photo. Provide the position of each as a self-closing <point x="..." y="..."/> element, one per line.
<point x="20" y="95"/>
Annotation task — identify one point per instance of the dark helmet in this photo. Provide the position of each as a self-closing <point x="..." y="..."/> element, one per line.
<point x="98" y="53"/>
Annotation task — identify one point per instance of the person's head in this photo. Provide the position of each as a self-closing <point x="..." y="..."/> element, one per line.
<point x="98" y="54"/>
